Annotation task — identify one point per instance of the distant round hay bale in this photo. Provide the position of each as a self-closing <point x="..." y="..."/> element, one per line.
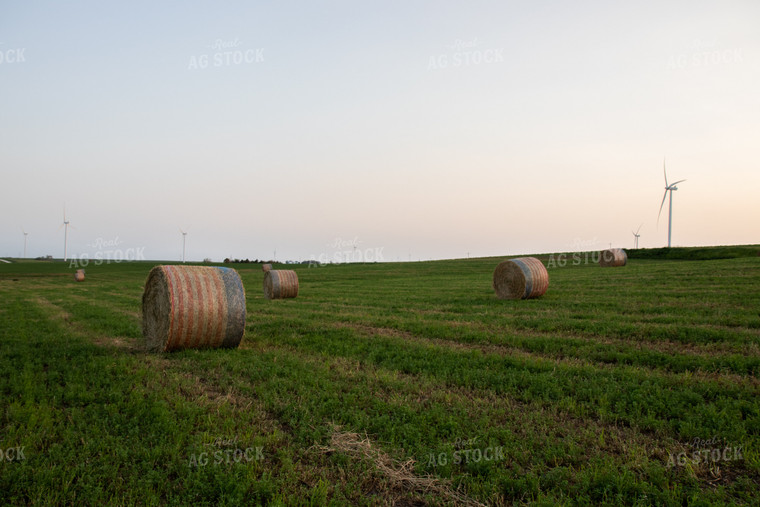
<point x="521" y="278"/>
<point x="280" y="284"/>
<point x="613" y="258"/>
<point x="79" y="275"/>
<point x="187" y="307"/>
<point x="266" y="267"/>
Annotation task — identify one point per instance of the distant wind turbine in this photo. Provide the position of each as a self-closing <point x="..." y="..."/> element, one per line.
<point x="184" y="235"/>
<point x="65" y="224"/>
<point x="636" y="238"/>
<point x="668" y="188"/>
<point x="25" y="235"/>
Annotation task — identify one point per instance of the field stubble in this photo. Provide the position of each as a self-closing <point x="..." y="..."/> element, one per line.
<point x="380" y="384"/>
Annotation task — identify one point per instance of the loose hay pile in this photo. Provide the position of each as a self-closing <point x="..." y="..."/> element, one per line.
<point x="193" y="307"/>
<point x="613" y="258"/>
<point x="266" y="267"/>
<point x="79" y="275"/>
<point x="401" y="476"/>
<point x="280" y="284"/>
<point x="521" y="278"/>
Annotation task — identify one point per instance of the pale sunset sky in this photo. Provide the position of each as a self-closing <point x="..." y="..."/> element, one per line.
<point x="412" y="130"/>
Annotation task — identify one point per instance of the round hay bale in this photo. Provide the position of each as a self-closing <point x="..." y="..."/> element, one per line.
<point x="79" y="275"/>
<point x="613" y="258"/>
<point x="187" y="307"/>
<point x="521" y="278"/>
<point x="280" y="284"/>
<point x="266" y="267"/>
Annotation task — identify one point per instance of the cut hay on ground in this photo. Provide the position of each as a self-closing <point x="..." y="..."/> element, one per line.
<point x="521" y="278"/>
<point x="400" y="475"/>
<point x="613" y="258"/>
<point x="193" y="307"/>
<point x="280" y="284"/>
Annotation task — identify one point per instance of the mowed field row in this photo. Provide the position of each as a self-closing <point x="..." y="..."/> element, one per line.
<point x="405" y="383"/>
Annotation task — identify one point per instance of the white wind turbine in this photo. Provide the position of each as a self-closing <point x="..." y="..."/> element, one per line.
<point x="184" y="236"/>
<point x="668" y="188"/>
<point x="636" y="238"/>
<point x="65" y="235"/>
<point x="25" y="235"/>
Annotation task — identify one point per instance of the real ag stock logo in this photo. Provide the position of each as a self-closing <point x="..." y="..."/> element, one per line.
<point x="227" y="452"/>
<point x="465" y="54"/>
<point x="226" y="53"/>
<point x="709" y="451"/>
<point x="10" y="56"/>
<point x="9" y="454"/>
<point x="106" y="251"/>
<point x="705" y="53"/>
<point x="346" y="251"/>
<point x="466" y="452"/>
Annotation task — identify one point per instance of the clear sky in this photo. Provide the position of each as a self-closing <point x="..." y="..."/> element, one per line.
<point x="412" y="130"/>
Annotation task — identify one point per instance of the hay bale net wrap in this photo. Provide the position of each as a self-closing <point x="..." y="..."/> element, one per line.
<point x="266" y="267"/>
<point x="613" y="258"/>
<point x="193" y="307"/>
<point x="280" y="284"/>
<point x="521" y="278"/>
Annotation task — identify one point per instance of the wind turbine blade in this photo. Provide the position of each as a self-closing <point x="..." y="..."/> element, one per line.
<point x="664" y="196"/>
<point x="664" y="171"/>
<point x="676" y="183"/>
<point x="637" y="230"/>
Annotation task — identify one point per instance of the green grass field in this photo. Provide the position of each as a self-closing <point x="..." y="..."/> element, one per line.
<point x="398" y="383"/>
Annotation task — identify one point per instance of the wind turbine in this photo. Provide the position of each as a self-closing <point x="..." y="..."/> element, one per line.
<point x="25" y="235"/>
<point x="636" y="238"/>
<point x="65" y="235"/>
<point x="184" y="235"/>
<point x="668" y="188"/>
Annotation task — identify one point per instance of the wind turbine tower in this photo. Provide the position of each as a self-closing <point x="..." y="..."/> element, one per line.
<point x="25" y="235"/>
<point x="668" y="188"/>
<point x="65" y="225"/>
<point x="636" y="238"/>
<point x="184" y="236"/>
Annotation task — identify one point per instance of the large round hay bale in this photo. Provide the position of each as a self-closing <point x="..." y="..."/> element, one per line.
<point x="613" y="258"/>
<point x="521" y="278"/>
<point x="79" y="275"/>
<point x="193" y="307"/>
<point x="280" y="284"/>
<point x="266" y="267"/>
